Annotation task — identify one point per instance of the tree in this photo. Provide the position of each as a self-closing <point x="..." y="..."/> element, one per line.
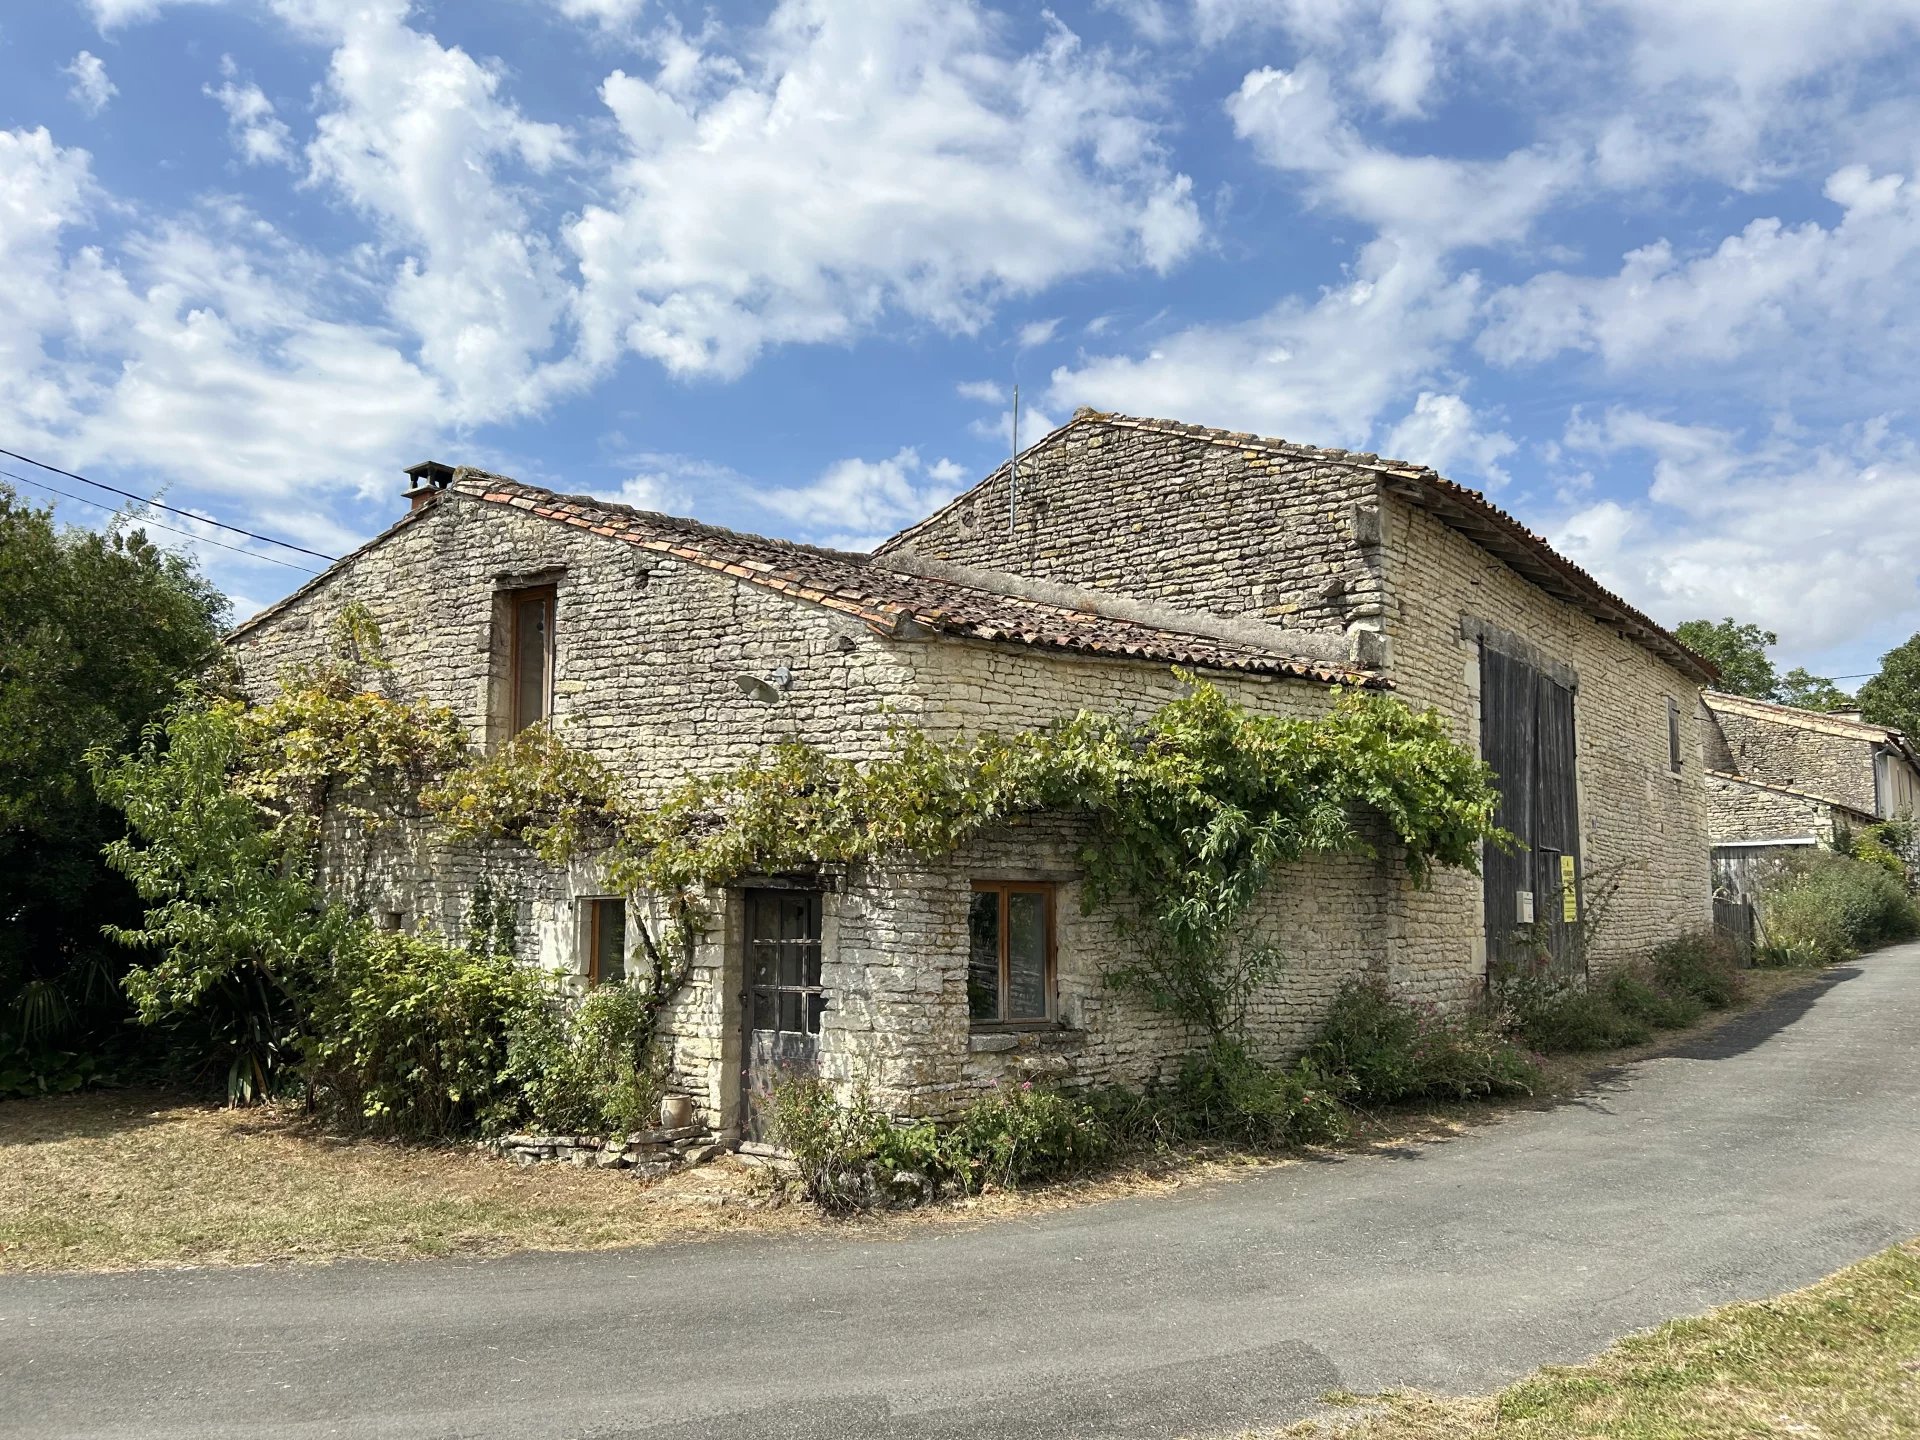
<point x="1892" y="697"/>
<point x="97" y="632"/>
<point x="1811" y="692"/>
<point x="1738" y="651"/>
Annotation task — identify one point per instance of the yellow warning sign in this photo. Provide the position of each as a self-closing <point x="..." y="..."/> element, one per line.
<point x="1569" y="891"/>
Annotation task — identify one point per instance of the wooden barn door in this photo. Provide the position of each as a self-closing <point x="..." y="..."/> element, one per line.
<point x="783" y="1000"/>
<point x="1526" y="735"/>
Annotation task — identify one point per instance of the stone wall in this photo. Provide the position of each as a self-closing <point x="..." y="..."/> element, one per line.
<point x="1180" y="518"/>
<point x="1826" y="758"/>
<point x="1638" y="817"/>
<point x="1253" y="528"/>
<point x="1740" y="810"/>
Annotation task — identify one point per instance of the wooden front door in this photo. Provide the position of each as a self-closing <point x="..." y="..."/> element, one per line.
<point x="1526" y="735"/>
<point x="782" y="1002"/>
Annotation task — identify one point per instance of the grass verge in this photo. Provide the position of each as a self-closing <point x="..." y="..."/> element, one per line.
<point x="116" y="1180"/>
<point x="1838" y="1359"/>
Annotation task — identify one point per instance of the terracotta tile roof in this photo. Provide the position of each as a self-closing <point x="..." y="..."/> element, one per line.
<point x="892" y="602"/>
<point x="1454" y="505"/>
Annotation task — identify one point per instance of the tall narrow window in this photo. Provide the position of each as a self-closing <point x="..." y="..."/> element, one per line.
<point x="530" y="658"/>
<point x="1010" y="953"/>
<point x="606" y="941"/>
<point x="1673" y="734"/>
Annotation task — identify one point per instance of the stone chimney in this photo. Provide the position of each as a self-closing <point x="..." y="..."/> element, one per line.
<point x="428" y="479"/>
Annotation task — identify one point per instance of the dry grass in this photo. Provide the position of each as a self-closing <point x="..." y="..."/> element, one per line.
<point x="125" y="1179"/>
<point x="1839" y="1359"/>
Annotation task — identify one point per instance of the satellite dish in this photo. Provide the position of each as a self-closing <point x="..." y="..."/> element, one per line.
<point x="756" y="689"/>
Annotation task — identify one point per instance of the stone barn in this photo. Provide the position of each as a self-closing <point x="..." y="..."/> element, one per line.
<point x="1114" y="550"/>
<point x="1781" y="779"/>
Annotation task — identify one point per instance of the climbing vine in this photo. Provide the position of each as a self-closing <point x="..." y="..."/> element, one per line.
<point x="1190" y="811"/>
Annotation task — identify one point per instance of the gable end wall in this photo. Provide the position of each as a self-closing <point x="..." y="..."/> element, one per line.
<point x="1188" y="522"/>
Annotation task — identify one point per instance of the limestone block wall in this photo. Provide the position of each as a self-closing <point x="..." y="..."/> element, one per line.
<point x="1184" y="519"/>
<point x="898" y="1019"/>
<point x="1739" y="810"/>
<point x="647" y="647"/>
<point x="1803" y="754"/>
<point x="1637" y="816"/>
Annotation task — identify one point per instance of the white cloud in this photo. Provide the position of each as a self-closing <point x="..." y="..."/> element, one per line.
<point x="208" y="351"/>
<point x="1812" y="539"/>
<point x="259" y="134"/>
<point x="855" y="504"/>
<point x="91" y="89"/>
<point x="1295" y="123"/>
<point x="1443" y="431"/>
<point x="1804" y="302"/>
<point x="844" y="162"/>
<point x="1320" y="373"/>
<point x="1038" y="332"/>
<point x="656" y="490"/>
<point x="985" y="392"/>
<point x="608" y="14"/>
<point x="416" y="136"/>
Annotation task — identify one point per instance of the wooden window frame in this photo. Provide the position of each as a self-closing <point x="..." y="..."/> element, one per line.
<point x="1050" y="892"/>
<point x="594" y="907"/>
<point x="515" y="599"/>
<point x="1676" y="761"/>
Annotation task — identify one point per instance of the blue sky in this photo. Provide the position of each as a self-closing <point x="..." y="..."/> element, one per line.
<point x="1646" y="271"/>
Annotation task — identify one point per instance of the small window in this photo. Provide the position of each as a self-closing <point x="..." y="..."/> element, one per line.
<point x="606" y="924"/>
<point x="1010" y="954"/>
<point x="530" y="656"/>
<point x="1673" y="734"/>
<point x="784" y="961"/>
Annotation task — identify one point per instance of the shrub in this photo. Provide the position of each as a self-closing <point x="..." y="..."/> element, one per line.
<point x="1700" y="965"/>
<point x="1224" y="1094"/>
<point x="842" y="1149"/>
<point x="1023" y="1134"/>
<point x="1553" y="1013"/>
<point x="411" y="1035"/>
<point x="1636" y="995"/>
<point x="1827" y="908"/>
<point x="1389" y="1050"/>
<point x="581" y="1068"/>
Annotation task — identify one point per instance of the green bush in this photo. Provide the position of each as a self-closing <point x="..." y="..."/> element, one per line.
<point x="852" y="1156"/>
<point x="1022" y="1134"/>
<point x="1552" y="1013"/>
<point x="1635" y="994"/>
<point x="411" y="1036"/>
<point x="1700" y="965"/>
<point x="1391" y="1050"/>
<point x="1224" y="1094"/>
<point x="1829" y="907"/>
<point x="580" y="1068"/>
<point x="422" y="1039"/>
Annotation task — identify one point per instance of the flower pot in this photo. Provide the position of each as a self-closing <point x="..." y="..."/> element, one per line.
<point x="676" y="1112"/>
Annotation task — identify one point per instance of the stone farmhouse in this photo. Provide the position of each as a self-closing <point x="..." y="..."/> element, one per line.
<point x="1077" y="576"/>
<point x="1781" y="778"/>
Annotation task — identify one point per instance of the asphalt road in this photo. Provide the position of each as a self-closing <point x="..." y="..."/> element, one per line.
<point x="1749" y="1164"/>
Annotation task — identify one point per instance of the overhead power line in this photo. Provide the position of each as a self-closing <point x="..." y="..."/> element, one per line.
<point x="155" y="524"/>
<point x="170" y="509"/>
